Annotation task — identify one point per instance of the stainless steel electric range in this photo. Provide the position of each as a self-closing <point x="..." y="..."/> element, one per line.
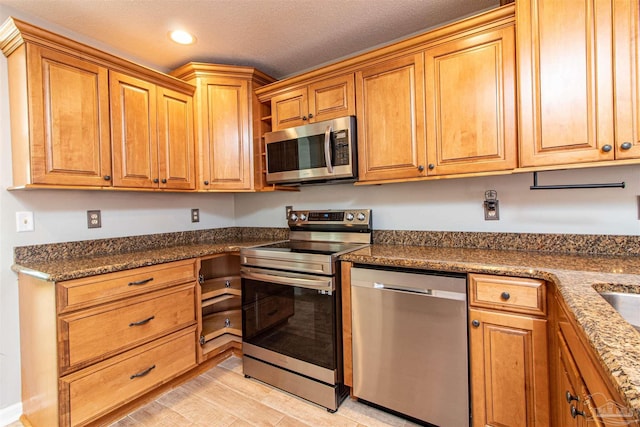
<point x="291" y="311"/>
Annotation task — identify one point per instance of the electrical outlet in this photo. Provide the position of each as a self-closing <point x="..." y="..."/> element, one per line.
<point x="94" y="219"/>
<point x="195" y="215"/>
<point x="288" y="210"/>
<point x="24" y="221"/>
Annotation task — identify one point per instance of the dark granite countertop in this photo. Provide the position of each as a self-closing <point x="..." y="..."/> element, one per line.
<point x="75" y="268"/>
<point x="616" y="342"/>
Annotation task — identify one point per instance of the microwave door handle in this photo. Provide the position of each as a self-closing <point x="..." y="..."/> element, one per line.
<point x="327" y="148"/>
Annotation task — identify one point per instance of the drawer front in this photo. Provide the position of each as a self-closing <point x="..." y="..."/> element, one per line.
<point x="508" y="293"/>
<point x="98" y="333"/>
<point x="90" y="291"/>
<point x="95" y="391"/>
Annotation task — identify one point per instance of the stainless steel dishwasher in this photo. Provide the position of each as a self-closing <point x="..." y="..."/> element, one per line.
<point x="410" y="343"/>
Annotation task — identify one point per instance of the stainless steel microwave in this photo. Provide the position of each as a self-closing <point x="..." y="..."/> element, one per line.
<point x="321" y="152"/>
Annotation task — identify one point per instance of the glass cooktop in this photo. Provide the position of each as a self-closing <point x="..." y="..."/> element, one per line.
<point x="309" y="247"/>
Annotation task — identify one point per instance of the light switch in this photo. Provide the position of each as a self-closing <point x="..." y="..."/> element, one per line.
<point x="24" y="221"/>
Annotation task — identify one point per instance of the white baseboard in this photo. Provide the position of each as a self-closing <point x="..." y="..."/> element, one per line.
<point x="10" y="414"/>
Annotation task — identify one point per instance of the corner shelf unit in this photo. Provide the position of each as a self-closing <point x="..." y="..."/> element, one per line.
<point x="220" y="325"/>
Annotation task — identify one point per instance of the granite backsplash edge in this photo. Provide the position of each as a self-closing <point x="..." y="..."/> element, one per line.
<point x="588" y="244"/>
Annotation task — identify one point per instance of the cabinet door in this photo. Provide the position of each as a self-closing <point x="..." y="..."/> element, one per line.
<point x="69" y="120"/>
<point x="390" y="106"/>
<point x="571" y="390"/>
<point x="565" y="81"/>
<point x="509" y="372"/>
<point x="470" y="104"/>
<point x="176" y="149"/>
<point x="627" y="78"/>
<point x="332" y="98"/>
<point x="134" y="132"/>
<point x="289" y="109"/>
<point x="228" y="163"/>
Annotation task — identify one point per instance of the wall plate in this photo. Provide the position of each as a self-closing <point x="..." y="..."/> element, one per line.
<point x="24" y="221"/>
<point x="94" y="219"/>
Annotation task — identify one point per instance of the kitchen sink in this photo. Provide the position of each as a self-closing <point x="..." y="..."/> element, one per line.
<point x="627" y="304"/>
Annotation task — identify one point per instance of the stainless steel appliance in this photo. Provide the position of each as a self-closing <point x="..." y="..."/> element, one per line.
<point x="319" y="152"/>
<point x="291" y="325"/>
<point x="410" y="343"/>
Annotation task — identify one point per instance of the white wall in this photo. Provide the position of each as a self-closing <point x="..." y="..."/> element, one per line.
<point x="456" y="204"/>
<point x="60" y="216"/>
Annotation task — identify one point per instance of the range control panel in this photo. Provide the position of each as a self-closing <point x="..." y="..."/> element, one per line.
<point x="329" y="218"/>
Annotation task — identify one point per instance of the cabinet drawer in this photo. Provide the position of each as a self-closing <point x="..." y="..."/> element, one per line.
<point x="508" y="293"/>
<point x="96" y="390"/>
<point x="101" y="332"/>
<point x="90" y="291"/>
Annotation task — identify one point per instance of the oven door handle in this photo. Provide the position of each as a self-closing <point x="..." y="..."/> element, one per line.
<point x="327" y="148"/>
<point x="321" y="284"/>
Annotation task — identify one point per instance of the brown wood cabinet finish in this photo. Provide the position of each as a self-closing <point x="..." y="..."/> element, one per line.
<point x="321" y="100"/>
<point x="577" y="65"/>
<point x="78" y="359"/>
<point x="391" y="127"/>
<point x="229" y="136"/>
<point x="470" y="103"/>
<point x="60" y="119"/>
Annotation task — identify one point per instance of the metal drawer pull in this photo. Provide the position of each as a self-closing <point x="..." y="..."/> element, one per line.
<point x="142" y="322"/>
<point x="140" y="282"/>
<point x="143" y="373"/>
<point x="570" y="397"/>
<point x="575" y="412"/>
<point x="505" y="296"/>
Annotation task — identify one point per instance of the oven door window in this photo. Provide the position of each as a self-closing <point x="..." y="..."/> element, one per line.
<point x="289" y="320"/>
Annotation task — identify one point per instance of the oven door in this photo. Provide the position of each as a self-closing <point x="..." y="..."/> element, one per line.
<point x="290" y="316"/>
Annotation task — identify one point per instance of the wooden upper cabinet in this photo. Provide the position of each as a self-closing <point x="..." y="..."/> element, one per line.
<point x="134" y="132"/>
<point x="626" y="24"/>
<point x="229" y="163"/>
<point x="470" y="103"/>
<point x="565" y="81"/>
<point x="152" y="135"/>
<point x="228" y="117"/>
<point x="390" y="110"/>
<point x="60" y="132"/>
<point x="323" y="100"/>
<point x="176" y="145"/>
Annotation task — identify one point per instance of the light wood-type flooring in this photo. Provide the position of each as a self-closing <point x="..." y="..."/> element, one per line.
<point x="222" y="396"/>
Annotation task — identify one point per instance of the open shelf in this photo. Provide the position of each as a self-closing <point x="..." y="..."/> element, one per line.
<point x="214" y="325"/>
<point x="220" y="286"/>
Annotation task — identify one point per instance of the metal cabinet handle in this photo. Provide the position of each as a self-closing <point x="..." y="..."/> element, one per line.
<point x="206" y="183"/>
<point x="311" y="115"/>
<point x="575" y="412"/>
<point x="432" y="166"/>
<point x="142" y="322"/>
<point x="227" y="322"/>
<point x="304" y="118"/>
<point x="420" y="168"/>
<point x="140" y="282"/>
<point x="227" y="284"/>
<point x="606" y="148"/>
<point x="156" y="180"/>
<point x="570" y="397"/>
<point x="108" y="177"/>
<point x="475" y="323"/>
<point x="164" y="180"/>
<point x="505" y="295"/>
<point x="625" y="146"/>
<point x="142" y="373"/>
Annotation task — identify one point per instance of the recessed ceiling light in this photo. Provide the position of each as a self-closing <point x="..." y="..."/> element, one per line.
<point x="182" y="37"/>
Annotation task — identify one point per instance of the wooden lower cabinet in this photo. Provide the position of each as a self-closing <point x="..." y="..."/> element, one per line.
<point x="92" y="345"/>
<point x="509" y="375"/>
<point x="581" y="395"/>
<point x="508" y="357"/>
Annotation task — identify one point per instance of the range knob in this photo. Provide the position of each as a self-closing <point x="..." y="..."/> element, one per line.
<point x="303" y="217"/>
<point x="349" y="216"/>
<point x="293" y="216"/>
<point x="361" y="216"/>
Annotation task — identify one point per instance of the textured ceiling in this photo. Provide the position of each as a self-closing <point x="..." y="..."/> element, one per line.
<point x="280" y="37"/>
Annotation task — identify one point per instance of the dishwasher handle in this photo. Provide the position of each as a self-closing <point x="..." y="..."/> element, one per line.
<point x="426" y="292"/>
